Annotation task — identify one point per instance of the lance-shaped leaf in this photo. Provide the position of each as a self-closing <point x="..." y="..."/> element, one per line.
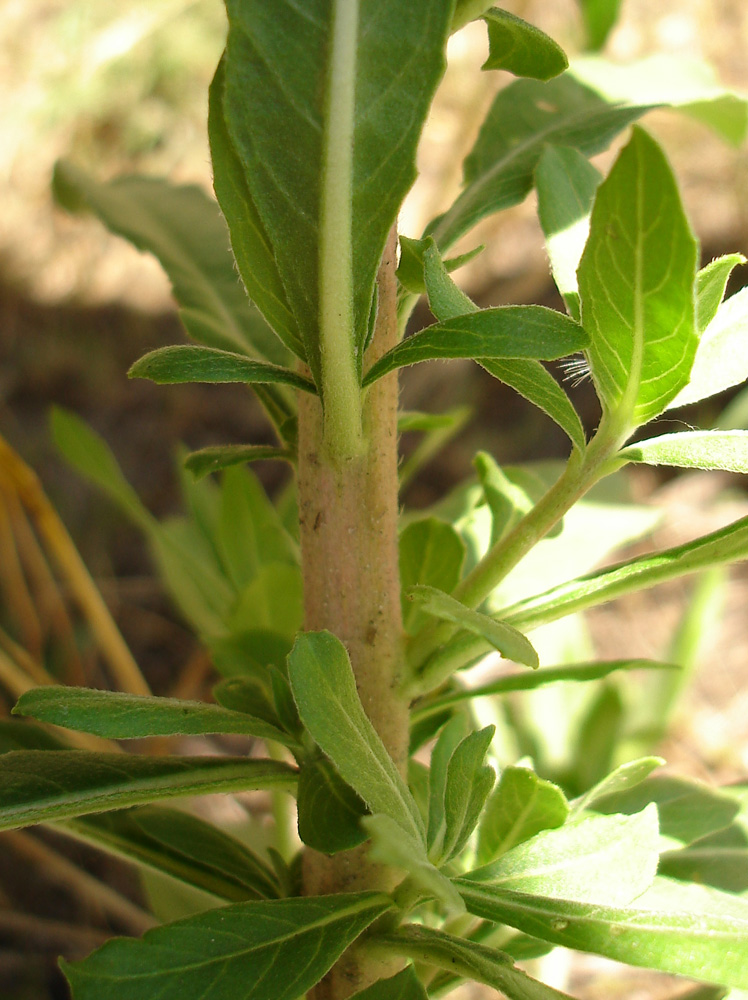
<point x="178" y="844"/>
<point x="468" y="785"/>
<point x="349" y="85"/>
<point x="186" y="363"/>
<point x="508" y="641"/>
<point x="450" y="736"/>
<point x="528" y="377"/>
<point x="469" y="960"/>
<point x="521" y="806"/>
<point x="214" y="458"/>
<point x="502" y="332"/>
<point x="329" y="811"/>
<point x="410" y="269"/>
<point x="686" y="83"/>
<point x="529" y="682"/>
<point x="636" y="284"/>
<point x="711" y="282"/>
<point x="566" y="183"/>
<point x="184" y="229"/>
<point x="673" y="927"/>
<point x="38" y="786"/>
<point x="266" y="950"/>
<point x="726" y="450"/>
<point x="725" y="545"/>
<point x="722" y="355"/>
<point x="324" y="687"/>
<point x="404" y="986"/>
<point x="524" y="118"/>
<point x="621" y="779"/>
<point x="521" y="48"/>
<point x="129" y="716"/>
<point x="603" y="859"/>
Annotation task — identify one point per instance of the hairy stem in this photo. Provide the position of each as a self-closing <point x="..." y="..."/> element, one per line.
<point x="348" y="514"/>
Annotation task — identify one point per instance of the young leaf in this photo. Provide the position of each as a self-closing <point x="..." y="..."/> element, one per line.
<point x="688" y="810"/>
<point x="39" y="786"/>
<point x="324" y="687"/>
<point x="524" y="118"/>
<point x="131" y="717"/>
<point x="391" y="845"/>
<point x="329" y="811"/>
<point x="342" y="102"/>
<point x="726" y="450"/>
<point x="267" y="950"/>
<point x="470" y="960"/>
<point x="711" y="282"/>
<point x="468" y="785"/>
<point x="599" y="17"/>
<point x="404" y="986"/>
<point x="508" y="641"/>
<point x="621" y="779"/>
<point x="636" y="280"/>
<point x="521" y="806"/>
<point x="686" y="930"/>
<point x="590" y="861"/>
<point x="521" y="48"/>
<point x="450" y="736"/>
<point x="410" y="269"/>
<point x="507" y="496"/>
<point x="188" y="363"/>
<point x="722" y="355"/>
<point x="184" y="229"/>
<point x="502" y="332"/>
<point x="431" y="553"/>
<point x="175" y="843"/>
<point x="249" y="240"/>
<point x="566" y="183"/>
<point x="686" y="83"/>
<point x="215" y="458"/>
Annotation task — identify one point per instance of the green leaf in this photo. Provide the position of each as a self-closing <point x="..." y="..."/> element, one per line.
<point x="726" y="450"/>
<point x="468" y="785"/>
<point x="451" y="735"/>
<point x="719" y="547"/>
<point x="719" y="860"/>
<point x="501" y="332"/>
<point x="470" y="960"/>
<point x="184" y="229"/>
<point x="566" y="183"/>
<point x="711" y="282"/>
<point x="189" y="363"/>
<point x="410" y="269"/>
<point x="431" y="553"/>
<point x="324" y="687"/>
<point x="621" y="779"/>
<point x="722" y="355"/>
<point x="600" y="732"/>
<point x="599" y="17"/>
<point x="178" y="844"/>
<point x="392" y="845"/>
<point x="249" y="240"/>
<point x="329" y="811"/>
<point x="686" y="83"/>
<point x="525" y="117"/>
<point x="590" y="861"/>
<point x="688" y="810"/>
<point x="404" y="986"/>
<point x="354" y="80"/>
<point x="521" y="48"/>
<point x="686" y="930"/>
<point x="531" y="380"/>
<point x="636" y="280"/>
<point x="38" y="786"/>
<point x="446" y="300"/>
<point x="89" y="455"/>
<point x="508" y="641"/>
<point x="215" y="458"/>
<point x="130" y="717"/>
<point x="267" y="950"/>
<point x="509" y="493"/>
<point x="521" y="806"/>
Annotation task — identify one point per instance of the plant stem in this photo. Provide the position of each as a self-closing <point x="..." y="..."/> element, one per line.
<point x="348" y="519"/>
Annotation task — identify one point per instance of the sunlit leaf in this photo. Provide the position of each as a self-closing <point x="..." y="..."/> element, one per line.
<point x="521" y="805"/>
<point x="187" y="363"/>
<point x="727" y="450"/>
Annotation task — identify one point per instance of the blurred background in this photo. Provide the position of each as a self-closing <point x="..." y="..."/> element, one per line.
<point x="122" y="87"/>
